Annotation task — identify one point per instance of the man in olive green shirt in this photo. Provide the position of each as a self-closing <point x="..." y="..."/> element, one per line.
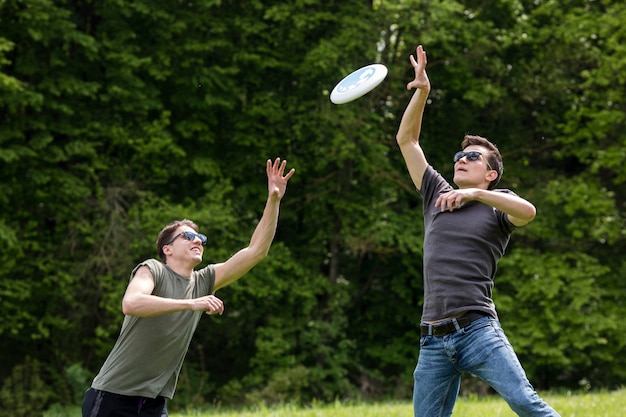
<point x="163" y="304"/>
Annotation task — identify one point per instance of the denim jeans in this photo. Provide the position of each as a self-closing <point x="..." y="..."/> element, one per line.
<point x="481" y="349"/>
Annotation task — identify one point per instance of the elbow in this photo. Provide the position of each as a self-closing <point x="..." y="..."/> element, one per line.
<point x="129" y="308"/>
<point x="524" y="218"/>
<point x="532" y="212"/>
<point x="522" y="214"/>
<point x="260" y="255"/>
<point x="405" y="140"/>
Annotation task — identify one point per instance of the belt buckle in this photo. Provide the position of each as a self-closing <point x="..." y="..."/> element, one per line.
<point x="437" y="330"/>
<point x="450" y="326"/>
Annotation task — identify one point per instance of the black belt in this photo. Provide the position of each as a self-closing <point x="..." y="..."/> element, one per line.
<point x="447" y="327"/>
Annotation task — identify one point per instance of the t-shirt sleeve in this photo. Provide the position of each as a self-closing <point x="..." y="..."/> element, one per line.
<point x="433" y="184"/>
<point x="155" y="267"/>
<point x="503" y="219"/>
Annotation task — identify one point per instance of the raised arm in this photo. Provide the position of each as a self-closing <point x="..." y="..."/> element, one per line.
<point x="411" y="123"/>
<point x="242" y="261"/>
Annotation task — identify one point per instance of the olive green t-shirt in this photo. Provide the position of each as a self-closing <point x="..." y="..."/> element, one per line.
<point x="149" y="352"/>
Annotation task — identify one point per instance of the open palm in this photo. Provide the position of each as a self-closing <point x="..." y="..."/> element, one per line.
<point x="276" y="178"/>
<point x="421" y="80"/>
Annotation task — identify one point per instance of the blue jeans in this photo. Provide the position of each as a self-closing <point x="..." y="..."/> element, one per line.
<point x="481" y="349"/>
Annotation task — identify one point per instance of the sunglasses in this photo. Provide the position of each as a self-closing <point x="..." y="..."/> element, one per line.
<point x="190" y="236"/>
<point x="471" y="156"/>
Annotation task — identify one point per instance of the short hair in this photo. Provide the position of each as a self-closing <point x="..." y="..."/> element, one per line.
<point x="167" y="233"/>
<point x="494" y="158"/>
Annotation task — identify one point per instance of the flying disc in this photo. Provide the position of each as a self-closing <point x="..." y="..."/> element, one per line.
<point x="358" y="83"/>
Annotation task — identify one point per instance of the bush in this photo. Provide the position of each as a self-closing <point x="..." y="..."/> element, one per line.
<point x="24" y="393"/>
<point x="285" y="386"/>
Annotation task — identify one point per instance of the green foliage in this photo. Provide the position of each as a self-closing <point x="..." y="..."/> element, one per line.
<point x="289" y="385"/>
<point x="25" y="393"/>
<point x="77" y="377"/>
<point x="195" y="382"/>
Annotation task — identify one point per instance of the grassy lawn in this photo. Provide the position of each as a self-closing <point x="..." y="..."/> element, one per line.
<point x="595" y="404"/>
<point x="599" y="404"/>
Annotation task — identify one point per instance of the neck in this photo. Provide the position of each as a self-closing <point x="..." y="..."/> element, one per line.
<point x="483" y="186"/>
<point x="180" y="268"/>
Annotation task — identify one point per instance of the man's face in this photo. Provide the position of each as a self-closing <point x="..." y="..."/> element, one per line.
<point x="186" y="244"/>
<point x="472" y="169"/>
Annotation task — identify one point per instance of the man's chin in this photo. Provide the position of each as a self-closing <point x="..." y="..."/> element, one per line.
<point x="197" y="258"/>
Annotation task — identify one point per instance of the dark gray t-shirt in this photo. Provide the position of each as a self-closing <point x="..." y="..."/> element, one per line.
<point x="149" y="352"/>
<point x="461" y="251"/>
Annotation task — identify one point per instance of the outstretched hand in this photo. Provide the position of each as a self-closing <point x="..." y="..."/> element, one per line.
<point x="276" y="178"/>
<point x="421" y="80"/>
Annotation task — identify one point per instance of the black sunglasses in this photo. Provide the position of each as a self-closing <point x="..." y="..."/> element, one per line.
<point x="190" y="236"/>
<point x="471" y="156"/>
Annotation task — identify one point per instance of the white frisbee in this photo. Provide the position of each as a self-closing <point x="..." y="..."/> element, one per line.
<point x="358" y="83"/>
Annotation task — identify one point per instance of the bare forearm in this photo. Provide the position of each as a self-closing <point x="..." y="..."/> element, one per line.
<point x="148" y="305"/>
<point x="411" y="123"/>
<point x="522" y="211"/>
<point x="144" y="305"/>
<point x="264" y="233"/>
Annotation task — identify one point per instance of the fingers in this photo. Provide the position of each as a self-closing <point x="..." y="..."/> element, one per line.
<point x="274" y="168"/>
<point x="290" y="173"/>
<point x="418" y="62"/>
<point x="214" y="305"/>
<point x="421" y="55"/>
<point x="278" y="168"/>
<point x="449" y="201"/>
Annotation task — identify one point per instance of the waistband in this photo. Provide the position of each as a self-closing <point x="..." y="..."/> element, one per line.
<point x="452" y="325"/>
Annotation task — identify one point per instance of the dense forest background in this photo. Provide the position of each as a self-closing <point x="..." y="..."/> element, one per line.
<point x="117" y="117"/>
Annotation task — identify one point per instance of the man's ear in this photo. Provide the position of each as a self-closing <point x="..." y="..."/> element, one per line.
<point x="492" y="175"/>
<point x="167" y="250"/>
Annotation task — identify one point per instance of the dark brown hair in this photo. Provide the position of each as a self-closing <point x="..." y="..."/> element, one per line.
<point x="167" y="233"/>
<point x="493" y="158"/>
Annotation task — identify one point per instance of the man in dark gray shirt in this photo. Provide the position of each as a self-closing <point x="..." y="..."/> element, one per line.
<point x="466" y="233"/>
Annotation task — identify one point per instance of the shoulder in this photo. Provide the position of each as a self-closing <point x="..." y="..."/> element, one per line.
<point x="430" y="173"/>
<point x="156" y="268"/>
<point x="433" y="182"/>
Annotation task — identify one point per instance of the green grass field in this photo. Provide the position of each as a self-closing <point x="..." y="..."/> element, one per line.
<point x="599" y="404"/>
<point x="595" y="404"/>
